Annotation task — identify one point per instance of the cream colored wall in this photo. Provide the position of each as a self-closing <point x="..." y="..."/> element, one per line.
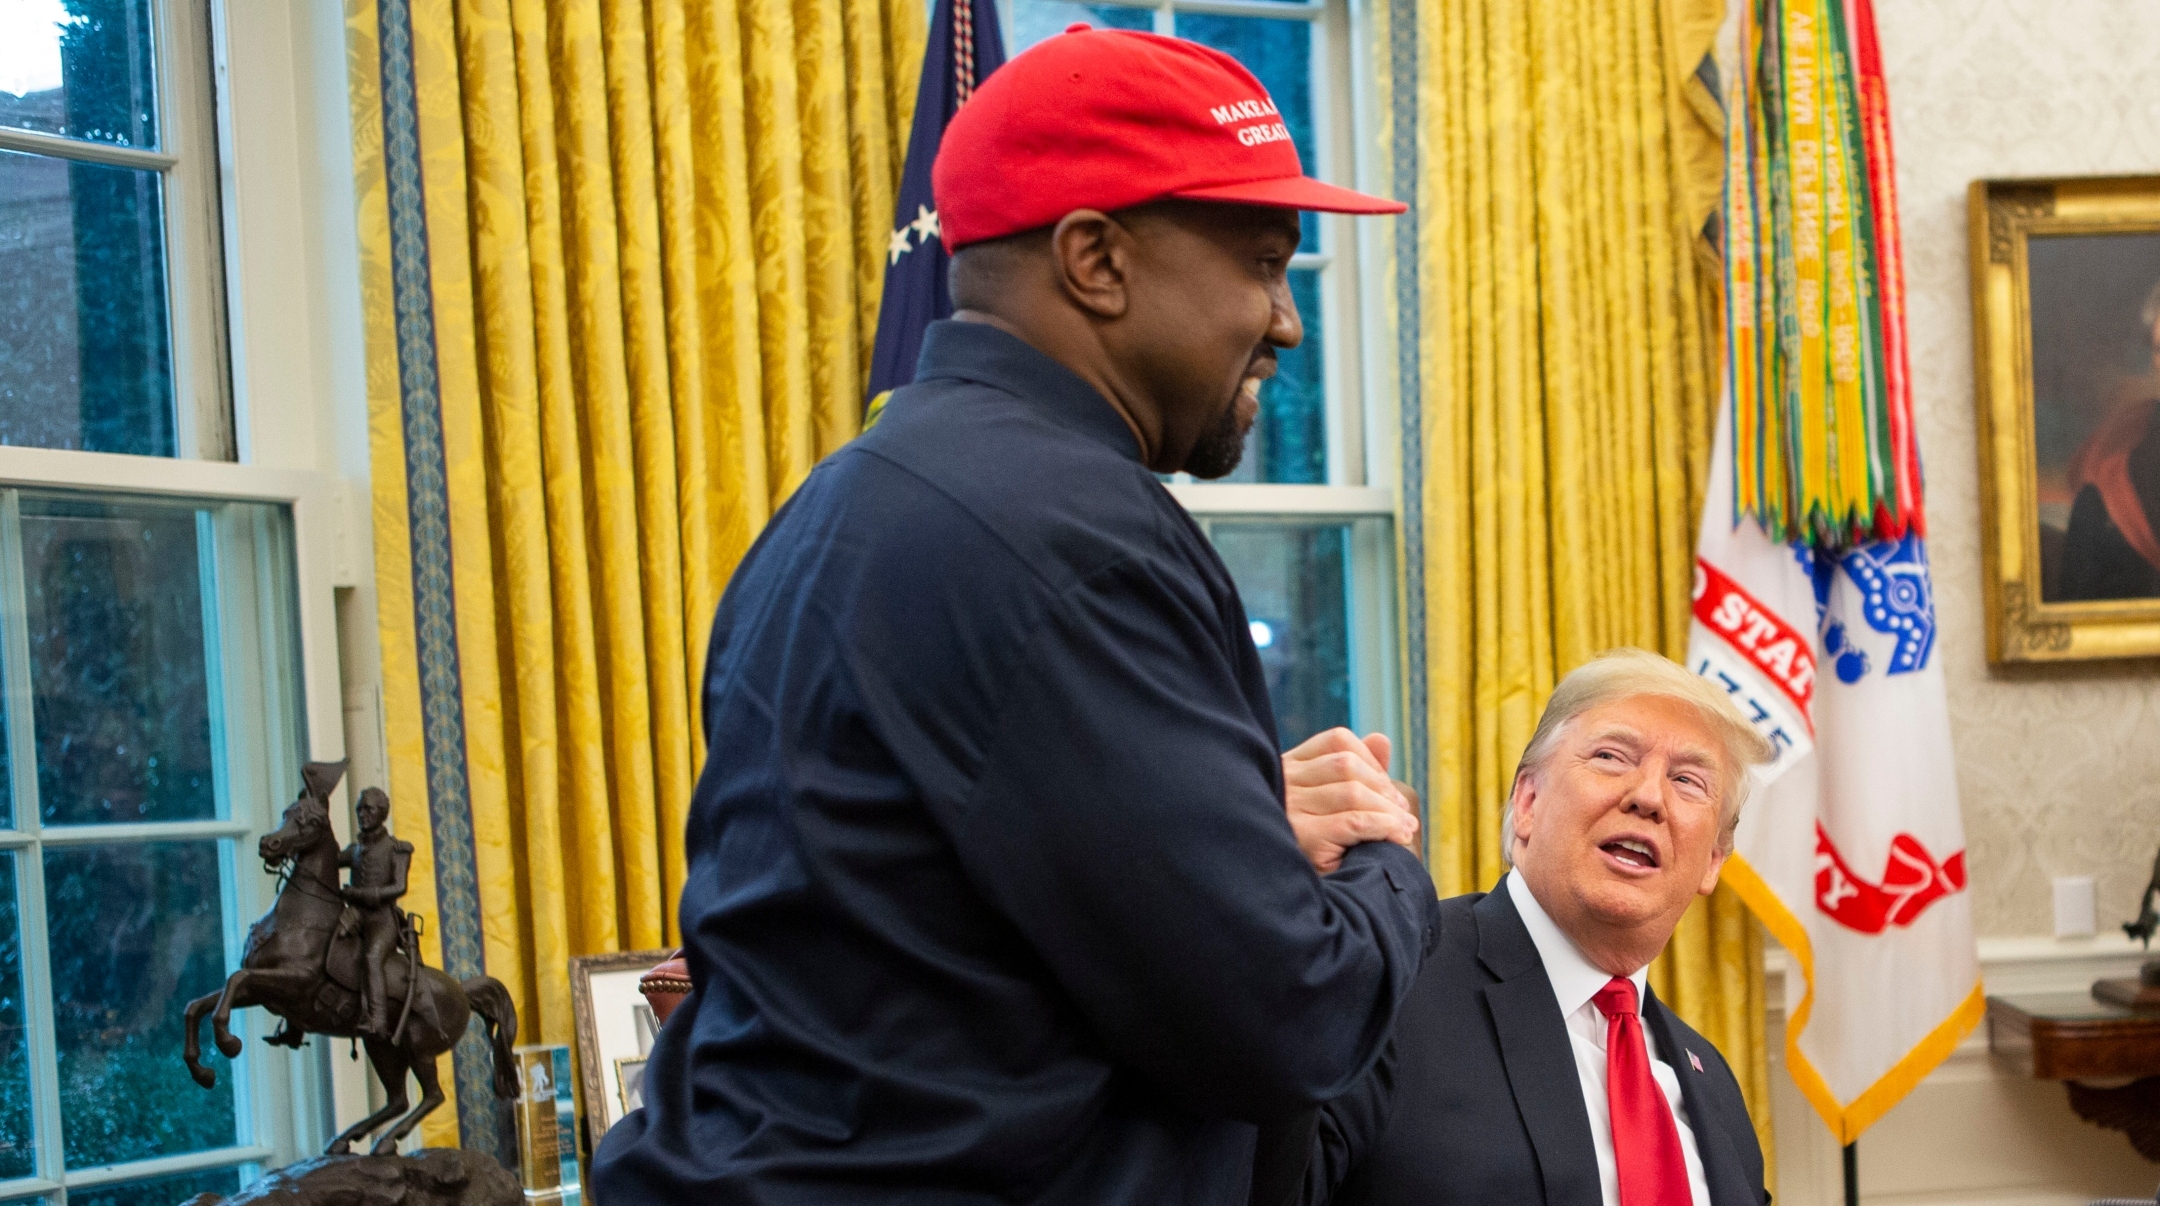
<point x="2059" y="769"/>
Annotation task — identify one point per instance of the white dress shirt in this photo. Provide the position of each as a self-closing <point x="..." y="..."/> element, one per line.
<point x="1574" y="982"/>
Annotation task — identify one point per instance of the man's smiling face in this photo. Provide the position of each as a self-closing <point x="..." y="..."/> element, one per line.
<point x="1618" y="828"/>
<point x="1211" y="305"/>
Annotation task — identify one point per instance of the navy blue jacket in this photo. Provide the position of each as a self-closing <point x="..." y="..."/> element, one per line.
<point x="991" y="895"/>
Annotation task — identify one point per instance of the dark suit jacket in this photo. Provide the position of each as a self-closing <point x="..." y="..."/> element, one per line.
<point x="1477" y="1100"/>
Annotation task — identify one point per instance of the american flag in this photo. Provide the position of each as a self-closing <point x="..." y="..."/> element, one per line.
<point x="963" y="48"/>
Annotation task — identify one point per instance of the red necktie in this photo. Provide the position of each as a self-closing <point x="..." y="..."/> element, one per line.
<point x="1646" y="1143"/>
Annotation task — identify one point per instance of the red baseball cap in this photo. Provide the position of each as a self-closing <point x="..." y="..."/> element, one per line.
<point x="1105" y="119"/>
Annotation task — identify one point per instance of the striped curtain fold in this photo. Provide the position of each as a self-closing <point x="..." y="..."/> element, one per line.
<point x="621" y="262"/>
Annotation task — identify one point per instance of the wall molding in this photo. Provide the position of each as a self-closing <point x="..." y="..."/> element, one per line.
<point x="2008" y="965"/>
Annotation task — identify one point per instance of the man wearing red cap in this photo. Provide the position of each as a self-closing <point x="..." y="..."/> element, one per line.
<point x="992" y="894"/>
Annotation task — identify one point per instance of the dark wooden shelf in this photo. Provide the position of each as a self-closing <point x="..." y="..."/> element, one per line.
<point x="2071" y="1037"/>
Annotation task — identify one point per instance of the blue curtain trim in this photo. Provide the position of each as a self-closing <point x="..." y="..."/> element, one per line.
<point x="1402" y="81"/>
<point x="483" y="1123"/>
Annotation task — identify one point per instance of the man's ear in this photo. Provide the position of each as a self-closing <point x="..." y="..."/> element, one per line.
<point x="1093" y="254"/>
<point x="1523" y="799"/>
<point x="1710" y="876"/>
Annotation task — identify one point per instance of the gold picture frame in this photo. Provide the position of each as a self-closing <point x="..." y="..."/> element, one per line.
<point x="630" y="1081"/>
<point x="615" y="1029"/>
<point x="2039" y="444"/>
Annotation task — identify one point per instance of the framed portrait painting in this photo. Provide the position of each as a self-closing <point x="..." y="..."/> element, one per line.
<point x="2066" y="345"/>
<point x="615" y="1033"/>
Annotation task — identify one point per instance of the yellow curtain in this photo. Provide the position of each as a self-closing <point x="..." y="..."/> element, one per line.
<point x="1560" y="342"/>
<point x="621" y="267"/>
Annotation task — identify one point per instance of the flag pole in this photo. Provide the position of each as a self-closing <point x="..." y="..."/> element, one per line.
<point x="1852" y="1173"/>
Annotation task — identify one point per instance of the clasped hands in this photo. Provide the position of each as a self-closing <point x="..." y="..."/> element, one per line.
<point x="1339" y="795"/>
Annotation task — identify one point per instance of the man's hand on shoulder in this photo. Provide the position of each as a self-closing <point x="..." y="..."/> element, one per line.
<point x="1339" y="795"/>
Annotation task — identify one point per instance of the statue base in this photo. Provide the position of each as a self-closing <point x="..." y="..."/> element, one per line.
<point x="435" y="1176"/>
<point x="2140" y="993"/>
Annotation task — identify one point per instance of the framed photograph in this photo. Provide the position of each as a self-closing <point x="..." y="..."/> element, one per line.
<point x="630" y="1082"/>
<point x="2066" y="347"/>
<point x="615" y="1033"/>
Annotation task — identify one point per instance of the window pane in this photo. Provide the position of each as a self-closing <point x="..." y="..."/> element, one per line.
<point x="1279" y="53"/>
<point x="137" y="931"/>
<point x="118" y="667"/>
<point x="160" y="1191"/>
<point x="1293" y="579"/>
<point x="1034" y="20"/>
<point x="17" y="1155"/>
<point x="85" y="359"/>
<point x="1289" y="439"/>
<point x="79" y="68"/>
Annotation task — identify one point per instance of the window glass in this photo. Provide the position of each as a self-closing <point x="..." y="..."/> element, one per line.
<point x="85" y="354"/>
<point x="18" y="1156"/>
<point x="1288" y="443"/>
<point x="1293" y="579"/>
<point x="135" y="932"/>
<point x="79" y="69"/>
<point x="160" y="1191"/>
<point x="1279" y="53"/>
<point x="118" y="665"/>
<point x="1034" y="20"/>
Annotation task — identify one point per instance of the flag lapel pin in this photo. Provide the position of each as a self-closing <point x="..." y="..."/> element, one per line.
<point x="1694" y="1061"/>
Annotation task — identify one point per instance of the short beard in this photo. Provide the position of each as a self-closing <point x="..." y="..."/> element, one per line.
<point x="1219" y="450"/>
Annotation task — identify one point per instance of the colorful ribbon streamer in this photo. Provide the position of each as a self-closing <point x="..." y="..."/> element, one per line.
<point x="1817" y="364"/>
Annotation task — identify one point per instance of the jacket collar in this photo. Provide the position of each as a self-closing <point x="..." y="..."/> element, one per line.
<point x="1535" y="1050"/>
<point x="983" y="354"/>
<point x="1723" y="1173"/>
<point x="1575" y="980"/>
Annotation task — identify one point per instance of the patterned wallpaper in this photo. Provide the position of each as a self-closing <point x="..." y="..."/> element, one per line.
<point x="2059" y="768"/>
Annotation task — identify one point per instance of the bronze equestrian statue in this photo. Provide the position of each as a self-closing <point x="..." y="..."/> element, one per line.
<point x="320" y="960"/>
<point x="2147" y="919"/>
<point x="379" y="864"/>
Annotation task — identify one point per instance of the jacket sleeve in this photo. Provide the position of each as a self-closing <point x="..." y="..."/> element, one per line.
<point x="1128" y="819"/>
<point x="1304" y="1159"/>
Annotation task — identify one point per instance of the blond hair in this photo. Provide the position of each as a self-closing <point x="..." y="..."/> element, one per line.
<point x="1627" y="673"/>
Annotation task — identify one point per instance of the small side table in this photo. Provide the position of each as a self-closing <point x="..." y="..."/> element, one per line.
<point x="2071" y="1037"/>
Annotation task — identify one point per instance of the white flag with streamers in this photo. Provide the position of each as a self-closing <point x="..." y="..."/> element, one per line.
<point x="1851" y="849"/>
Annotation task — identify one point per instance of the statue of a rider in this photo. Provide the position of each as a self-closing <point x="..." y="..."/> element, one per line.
<point x="379" y="864"/>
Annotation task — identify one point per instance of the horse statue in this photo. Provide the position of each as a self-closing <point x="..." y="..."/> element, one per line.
<point x="2148" y="920"/>
<point x="303" y="962"/>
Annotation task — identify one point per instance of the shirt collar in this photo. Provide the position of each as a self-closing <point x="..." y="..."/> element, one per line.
<point x="981" y="353"/>
<point x="1574" y="978"/>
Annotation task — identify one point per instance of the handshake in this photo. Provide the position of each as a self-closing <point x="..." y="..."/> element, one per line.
<point x="1338" y="794"/>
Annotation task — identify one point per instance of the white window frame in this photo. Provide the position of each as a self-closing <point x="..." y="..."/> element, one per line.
<point x="280" y="1104"/>
<point x="186" y="158"/>
<point x="269" y="382"/>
